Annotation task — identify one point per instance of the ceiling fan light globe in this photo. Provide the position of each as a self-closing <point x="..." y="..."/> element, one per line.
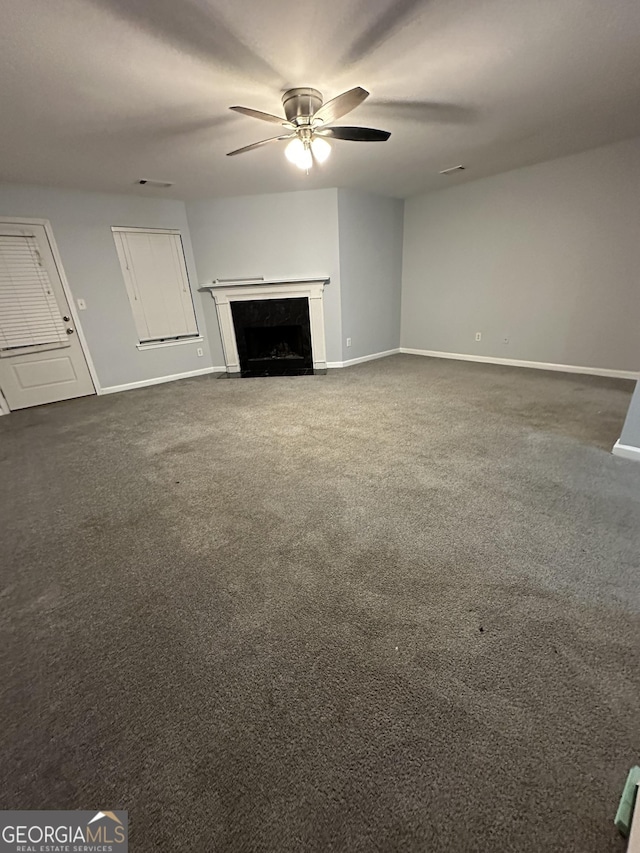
<point x="321" y="149"/>
<point x="294" y="150"/>
<point x="299" y="154"/>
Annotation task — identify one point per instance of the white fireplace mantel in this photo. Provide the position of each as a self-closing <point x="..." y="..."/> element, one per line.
<point x="226" y="292"/>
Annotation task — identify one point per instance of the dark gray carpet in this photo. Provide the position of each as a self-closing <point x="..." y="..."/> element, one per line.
<point x="395" y="608"/>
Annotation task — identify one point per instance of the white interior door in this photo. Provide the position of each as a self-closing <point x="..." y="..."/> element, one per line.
<point x="41" y="358"/>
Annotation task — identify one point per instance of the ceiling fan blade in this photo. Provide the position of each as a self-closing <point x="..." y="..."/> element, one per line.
<point x="259" y="144"/>
<point x="341" y="105"/>
<point x="355" y="134"/>
<point x="245" y="111"/>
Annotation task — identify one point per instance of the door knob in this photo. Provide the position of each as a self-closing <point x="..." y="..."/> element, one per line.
<point x="69" y="331"/>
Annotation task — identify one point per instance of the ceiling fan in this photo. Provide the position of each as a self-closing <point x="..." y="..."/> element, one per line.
<point x="306" y="125"/>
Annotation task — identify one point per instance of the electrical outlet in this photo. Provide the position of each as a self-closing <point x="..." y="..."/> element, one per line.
<point x="82" y="305"/>
<point x="348" y="342"/>
<point x="200" y="351"/>
<point x="478" y="336"/>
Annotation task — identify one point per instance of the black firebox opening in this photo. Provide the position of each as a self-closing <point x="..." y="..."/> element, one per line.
<point x="274" y="342"/>
<point x="273" y="337"/>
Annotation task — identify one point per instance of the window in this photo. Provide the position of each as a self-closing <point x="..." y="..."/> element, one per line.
<point x="29" y="313"/>
<point x="155" y="275"/>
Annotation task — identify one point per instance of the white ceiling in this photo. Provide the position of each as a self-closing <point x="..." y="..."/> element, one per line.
<point x="95" y="94"/>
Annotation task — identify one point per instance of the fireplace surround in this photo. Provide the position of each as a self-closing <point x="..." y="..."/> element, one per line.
<point x="251" y="346"/>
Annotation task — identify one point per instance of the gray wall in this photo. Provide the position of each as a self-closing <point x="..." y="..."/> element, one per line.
<point x="281" y="235"/>
<point x="81" y="224"/>
<point x="547" y="256"/>
<point x="631" y="430"/>
<point x="370" y="231"/>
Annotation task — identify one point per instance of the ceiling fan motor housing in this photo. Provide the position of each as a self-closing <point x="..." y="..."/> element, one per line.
<point x="301" y="104"/>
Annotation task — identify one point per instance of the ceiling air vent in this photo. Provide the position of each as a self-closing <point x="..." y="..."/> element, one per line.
<point x="158" y="184"/>
<point x="452" y="169"/>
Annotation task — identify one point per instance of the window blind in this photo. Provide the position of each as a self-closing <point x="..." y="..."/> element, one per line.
<point x="29" y="312"/>
<point x="156" y="279"/>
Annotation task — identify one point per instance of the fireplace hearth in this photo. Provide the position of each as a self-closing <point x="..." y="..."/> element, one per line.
<point x="273" y="337"/>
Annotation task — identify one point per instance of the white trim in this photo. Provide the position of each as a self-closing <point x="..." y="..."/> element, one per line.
<point x="46" y="224"/>
<point x="626" y="451"/>
<point x="361" y="359"/>
<point x="258" y="281"/>
<point x="159" y="344"/>
<point x="513" y="362"/>
<point x="159" y="380"/>
<point x="143" y="230"/>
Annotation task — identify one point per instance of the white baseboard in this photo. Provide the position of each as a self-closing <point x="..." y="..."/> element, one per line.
<point x="158" y="380"/>
<point x="363" y="358"/>
<point x="537" y="365"/>
<point x="626" y="451"/>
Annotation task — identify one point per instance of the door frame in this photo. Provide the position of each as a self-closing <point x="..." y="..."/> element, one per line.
<point x="57" y="259"/>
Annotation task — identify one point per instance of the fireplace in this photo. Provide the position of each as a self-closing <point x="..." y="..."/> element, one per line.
<point x="273" y="337"/>
<point x="288" y="338"/>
